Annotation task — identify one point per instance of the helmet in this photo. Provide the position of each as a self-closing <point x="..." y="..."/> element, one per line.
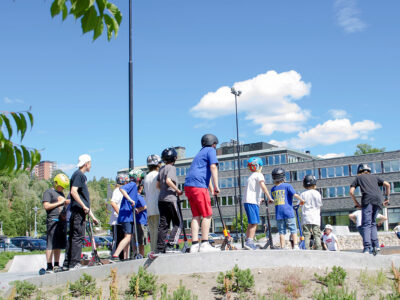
<point x="328" y="226"/>
<point x="122" y="179"/>
<point x="61" y="180"/>
<point x="309" y="180"/>
<point x="254" y="163"/>
<point x="136" y="175"/>
<point x="169" y="155"/>
<point x="278" y="174"/>
<point x="363" y="167"/>
<point x="208" y="140"/>
<point x="153" y="160"/>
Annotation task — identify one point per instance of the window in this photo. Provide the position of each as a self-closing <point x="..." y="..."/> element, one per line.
<point x="347" y="190"/>
<point x="331" y="172"/>
<point x="345" y="170"/>
<point x="293" y="175"/>
<point x="223" y="200"/>
<point x="332" y="192"/>
<point x="229" y="182"/>
<point x="339" y="171"/>
<point x="396" y="187"/>
<point x="287" y="176"/>
<point x="212" y="201"/>
<point x="376" y="167"/>
<point x="283" y="158"/>
<point x="221" y="166"/>
<point x="244" y="180"/>
<point x="340" y="191"/>
<point x="324" y="193"/>
<point x="270" y="160"/>
<point x="300" y="175"/>
<point x="223" y="183"/>
<point x="354" y="170"/>
<point x="230" y="200"/>
<point x="264" y="160"/>
<point x="324" y="173"/>
<point x="316" y="173"/>
<point x="268" y="178"/>
<point x="277" y="159"/>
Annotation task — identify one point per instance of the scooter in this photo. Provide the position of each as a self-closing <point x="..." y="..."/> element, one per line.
<point x="226" y="244"/>
<point x="269" y="242"/>
<point x="302" y="244"/>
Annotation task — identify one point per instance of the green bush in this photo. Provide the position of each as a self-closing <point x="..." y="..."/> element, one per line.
<point x="142" y="284"/>
<point x="335" y="277"/>
<point x="84" y="286"/>
<point x="180" y="294"/>
<point x="24" y="289"/>
<point x="334" y="293"/>
<point x="235" y="280"/>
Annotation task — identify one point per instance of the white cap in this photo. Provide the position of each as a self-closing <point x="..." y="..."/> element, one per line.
<point x="328" y="227"/>
<point x="83" y="159"/>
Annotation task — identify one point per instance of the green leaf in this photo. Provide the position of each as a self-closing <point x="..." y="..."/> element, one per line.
<point x="115" y="12"/>
<point x="30" y="118"/>
<point x="23" y="125"/>
<point x="55" y="8"/>
<point x="80" y="8"/>
<point x="17" y="121"/>
<point x="3" y="158"/>
<point x="64" y="11"/>
<point x="99" y="28"/>
<point x="18" y="155"/>
<point x="27" y="158"/>
<point x="89" y="20"/>
<point x="35" y="157"/>
<point x="10" y="157"/>
<point x="8" y="125"/>
<point x="101" y="4"/>
<point x="110" y="26"/>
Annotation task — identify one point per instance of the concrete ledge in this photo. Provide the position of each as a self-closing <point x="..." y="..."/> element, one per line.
<point x="222" y="261"/>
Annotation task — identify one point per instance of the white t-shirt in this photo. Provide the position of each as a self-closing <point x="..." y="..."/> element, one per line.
<point x="358" y="215"/>
<point x="311" y="210"/>
<point x="330" y="241"/>
<point x="396" y="229"/>
<point x="152" y="192"/>
<point x="254" y="192"/>
<point x="116" y="198"/>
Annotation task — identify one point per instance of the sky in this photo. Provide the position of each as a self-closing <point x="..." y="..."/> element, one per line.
<point x="314" y="75"/>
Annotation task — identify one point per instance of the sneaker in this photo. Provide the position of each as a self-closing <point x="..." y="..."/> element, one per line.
<point x="171" y="249"/>
<point x="49" y="271"/>
<point x="64" y="268"/>
<point x="367" y="251"/>
<point x="206" y="247"/>
<point x="194" y="248"/>
<point x="296" y="247"/>
<point x="57" y="269"/>
<point x="249" y="245"/>
<point x="77" y="266"/>
<point x="115" y="258"/>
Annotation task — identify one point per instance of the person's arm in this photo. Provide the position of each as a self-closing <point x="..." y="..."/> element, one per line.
<point x="77" y="198"/>
<point x="337" y="244"/>
<point x="352" y="189"/>
<point x="211" y="187"/>
<point x="381" y="218"/>
<point x="265" y="190"/>
<point x="297" y="196"/>
<point x="324" y="245"/>
<point x="125" y="194"/>
<point x="95" y="221"/>
<point x="115" y="207"/>
<point x="214" y="176"/>
<point x="140" y="209"/>
<point x="172" y="185"/>
<point x="353" y="218"/>
<point x="387" y="190"/>
<point x="49" y="206"/>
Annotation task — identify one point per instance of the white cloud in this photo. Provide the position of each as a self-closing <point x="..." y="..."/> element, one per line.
<point x="348" y="16"/>
<point x="268" y="100"/>
<point x="11" y="101"/>
<point x="331" y="155"/>
<point x="66" y="167"/>
<point x="338" y="113"/>
<point x="331" y="132"/>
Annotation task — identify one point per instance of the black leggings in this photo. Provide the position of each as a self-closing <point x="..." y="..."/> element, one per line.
<point x="168" y="213"/>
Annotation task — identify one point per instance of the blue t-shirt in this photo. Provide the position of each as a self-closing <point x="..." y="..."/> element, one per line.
<point x="199" y="173"/>
<point x="283" y="200"/>
<point x="126" y="210"/>
<point x="141" y="218"/>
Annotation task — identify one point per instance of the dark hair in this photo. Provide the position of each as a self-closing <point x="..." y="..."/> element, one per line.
<point x="152" y="167"/>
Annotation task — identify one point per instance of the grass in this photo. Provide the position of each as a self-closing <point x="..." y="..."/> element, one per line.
<point x="373" y="282"/>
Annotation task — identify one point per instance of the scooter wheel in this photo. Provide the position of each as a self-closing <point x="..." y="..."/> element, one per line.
<point x="42" y="271"/>
<point x="138" y="256"/>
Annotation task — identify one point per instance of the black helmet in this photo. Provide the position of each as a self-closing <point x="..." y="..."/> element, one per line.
<point x="362" y="168"/>
<point x="278" y="174"/>
<point x="169" y="155"/>
<point x="309" y="180"/>
<point x="208" y="140"/>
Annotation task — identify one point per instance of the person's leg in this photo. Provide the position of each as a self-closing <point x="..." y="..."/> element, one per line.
<point x="57" y="254"/>
<point x="49" y="256"/>
<point x="205" y="228"/>
<point x="282" y="240"/>
<point x="114" y="244"/>
<point x="291" y="225"/>
<point x="251" y="231"/>
<point x="123" y="245"/>
<point x="176" y="223"/>
<point x="77" y="235"/>
<point x="366" y="219"/>
<point x="153" y="228"/>
<point x="374" y="230"/>
<point x="163" y="226"/>
<point x="195" y="225"/>
<point x="317" y="237"/>
<point x="280" y="224"/>
<point x="307" y="235"/>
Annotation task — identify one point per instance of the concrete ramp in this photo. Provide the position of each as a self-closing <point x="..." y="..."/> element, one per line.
<point x="30" y="263"/>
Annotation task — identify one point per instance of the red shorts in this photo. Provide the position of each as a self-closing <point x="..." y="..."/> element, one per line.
<point x="199" y="200"/>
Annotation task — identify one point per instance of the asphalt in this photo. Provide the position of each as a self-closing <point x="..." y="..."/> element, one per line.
<point x="213" y="262"/>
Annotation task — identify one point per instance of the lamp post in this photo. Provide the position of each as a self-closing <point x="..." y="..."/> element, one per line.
<point x="131" y="162"/>
<point x="237" y="94"/>
<point x="35" y="209"/>
<point x="234" y="185"/>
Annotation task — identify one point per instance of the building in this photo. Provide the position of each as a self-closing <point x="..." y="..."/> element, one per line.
<point x="44" y="170"/>
<point x="334" y="178"/>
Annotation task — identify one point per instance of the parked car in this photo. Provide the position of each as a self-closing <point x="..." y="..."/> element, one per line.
<point x="216" y="236"/>
<point x="29" y="243"/>
<point x="9" y="247"/>
<point x="101" y="241"/>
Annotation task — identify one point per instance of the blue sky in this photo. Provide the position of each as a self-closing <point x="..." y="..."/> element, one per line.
<point x="315" y="75"/>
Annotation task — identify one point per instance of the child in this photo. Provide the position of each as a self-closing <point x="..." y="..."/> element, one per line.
<point x="371" y="202"/>
<point x="356" y="217"/>
<point x="397" y="230"/>
<point x="311" y="212"/>
<point x="197" y="188"/>
<point x="152" y="193"/>
<point x="168" y="203"/>
<point x="141" y="220"/>
<point x="125" y="216"/>
<point x="330" y="239"/>
<point x="282" y="194"/>
<point x="252" y="199"/>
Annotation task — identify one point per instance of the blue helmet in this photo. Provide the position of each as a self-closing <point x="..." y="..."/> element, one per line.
<point x="254" y="163"/>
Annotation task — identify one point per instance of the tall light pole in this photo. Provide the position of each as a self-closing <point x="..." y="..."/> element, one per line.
<point x="131" y="162"/>
<point x="35" y="209"/>
<point x="234" y="185"/>
<point x="237" y="94"/>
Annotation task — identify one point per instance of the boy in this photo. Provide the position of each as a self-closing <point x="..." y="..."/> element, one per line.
<point x="311" y="212"/>
<point x="80" y="206"/>
<point x="125" y="216"/>
<point x="197" y="182"/>
<point x="252" y="199"/>
<point x="116" y="200"/>
<point x="54" y="204"/>
<point x="282" y="194"/>
<point x="371" y="201"/>
<point x="167" y="203"/>
<point x="397" y="230"/>
<point x="141" y="219"/>
<point x="356" y="217"/>
<point x="152" y="193"/>
<point x="330" y="239"/>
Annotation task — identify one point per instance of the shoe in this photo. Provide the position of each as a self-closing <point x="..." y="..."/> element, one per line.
<point x="367" y="250"/>
<point x="249" y="245"/>
<point x="296" y="247"/>
<point x="115" y="258"/>
<point x="77" y="267"/>
<point x="64" y="268"/>
<point x="171" y="249"/>
<point x="56" y="269"/>
<point x="194" y="248"/>
<point x="49" y="271"/>
<point x="206" y="247"/>
<point x="375" y="250"/>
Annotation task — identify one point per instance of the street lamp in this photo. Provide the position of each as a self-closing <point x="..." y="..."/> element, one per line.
<point x="237" y="94"/>
<point x="35" y="209"/>
<point x="131" y="162"/>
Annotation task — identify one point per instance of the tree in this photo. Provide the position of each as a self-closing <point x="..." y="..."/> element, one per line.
<point x="93" y="15"/>
<point x="366" y="148"/>
<point x="236" y="223"/>
<point x="14" y="156"/>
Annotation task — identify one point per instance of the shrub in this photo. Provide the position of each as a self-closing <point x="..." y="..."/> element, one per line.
<point x="334" y="293"/>
<point x="84" y="286"/>
<point x="180" y="294"/>
<point x="235" y="280"/>
<point x="335" y="277"/>
<point x="142" y="284"/>
<point x="24" y="289"/>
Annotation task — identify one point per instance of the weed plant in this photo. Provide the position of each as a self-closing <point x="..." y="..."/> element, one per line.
<point x="84" y="286"/>
<point x="235" y="280"/>
<point x="142" y="284"/>
<point x="182" y="293"/>
<point x="334" y="293"/>
<point x="24" y="289"/>
<point x="335" y="277"/>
